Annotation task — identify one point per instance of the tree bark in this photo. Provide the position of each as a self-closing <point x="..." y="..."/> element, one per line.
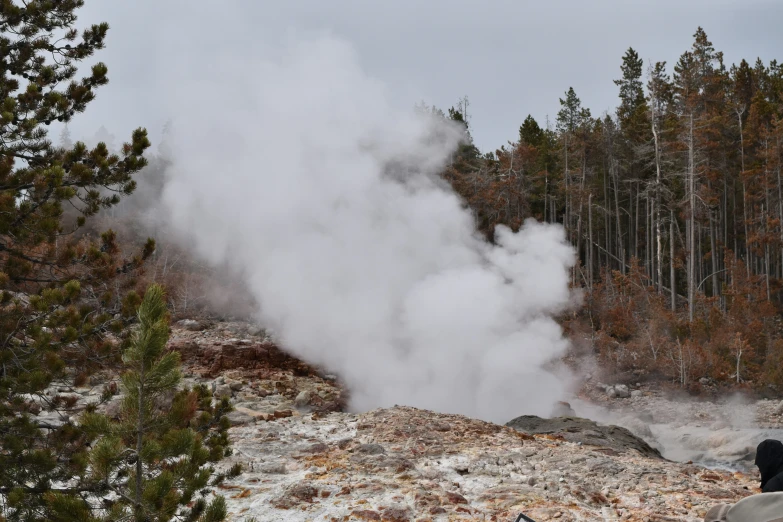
<point x="590" y="243"/>
<point x="691" y="236"/>
<point x="671" y="261"/>
<point x="714" y="258"/>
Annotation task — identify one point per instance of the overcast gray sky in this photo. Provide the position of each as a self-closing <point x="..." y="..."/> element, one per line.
<point x="510" y="57"/>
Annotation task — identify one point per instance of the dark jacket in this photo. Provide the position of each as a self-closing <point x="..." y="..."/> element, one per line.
<point x="769" y="459"/>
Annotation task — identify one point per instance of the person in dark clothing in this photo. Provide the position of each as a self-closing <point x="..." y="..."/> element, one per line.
<point x="769" y="459"/>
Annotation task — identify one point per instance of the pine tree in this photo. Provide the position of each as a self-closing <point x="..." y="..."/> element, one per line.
<point x="632" y="100"/>
<point x="568" y="120"/>
<point x="530" y="133"/>
<point x="575" y="125"/>
<point x="662" y="124"/>
<point x="55" y="309"/>
<point x="155" y="461"/>
<point x="65" y="138"/>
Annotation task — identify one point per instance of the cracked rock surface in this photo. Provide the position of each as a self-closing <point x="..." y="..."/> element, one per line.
<point x="408" y="464"/>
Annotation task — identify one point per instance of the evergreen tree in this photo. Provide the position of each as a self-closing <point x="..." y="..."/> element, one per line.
<point x="569" y="117"/>
<point x="56" y="306"/>
<point x="65" y="138"/>
<point x="574" y="124"/>
<point x="154" y="462"/>
<point x="530" y="133"/>
<point x="632" y="100"/>
<point x="467" y="152"/>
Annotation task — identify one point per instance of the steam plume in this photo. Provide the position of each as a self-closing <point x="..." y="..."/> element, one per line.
<point x="294" y="168"/>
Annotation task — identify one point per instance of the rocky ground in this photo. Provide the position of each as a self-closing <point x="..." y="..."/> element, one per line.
<point x="306" y="459"/>
<point x="404" y="464"/>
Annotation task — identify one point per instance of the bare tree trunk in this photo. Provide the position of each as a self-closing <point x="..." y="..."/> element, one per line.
<point x="657" y="149"/>
<point x="608" y="222"/>
<point x="568" y="199"/>
<point x="725" y="233"/>
<point x="780" y="207"/>
<point x="764" y="217"/>
<point x="748" y="252"/>
<point x="650" y="241"/>
<point x="691" y="272"/>
<point x="620" y="245"/>
<point x="636" y="228"/>
<point x="647" y="260"/>
<point x="546" y="192"/>
<point x="140" y="437"/>
<point x="579" y="232"/>
<point x="714" y="258"/>
<point x="590" y="244"/>
<point x="738" y="354"/>
<point x="567" y="217"/>
<point x="748" y="255"/>
<point x="766" y="249"/>
<point x="659" y="243"/>
<point x="699" y="275"/>
<point x="734" y="220"/>
<point x="671" y="260"/>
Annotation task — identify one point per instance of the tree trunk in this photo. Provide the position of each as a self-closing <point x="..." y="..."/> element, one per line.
<point x="647" y="228"/>
<point x="657" y="199"/>
<point x="590" y="243"/>
<point x="140" y="438"/>
<point x="620" y="246"/>
<point x="714" y="258"/>
<point x="636" y="228"/>
<point x="579" y="232"/>
<point x="748" y="255"/>
<point x="780" y="207"/>
<point x="691" y="272"/>
<point x="608" y="222"/>
<point x="766" y="250"/>
<point x="546" y="192"/>
<point x="671" y="261"/>
<point x="567" y="216"/>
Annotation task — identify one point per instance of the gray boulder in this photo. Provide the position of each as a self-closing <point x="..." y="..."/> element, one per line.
<point x="618" y="391"/>
<point x="52" y="419"/>
<point x="303" y="399"/>
<point x="235" y="385"/>
<point x="585" y="431"/>
<point x="190" y="324"/>
<point x="563" y="409"/>
<point x="238" y="418"/>
<point x="223" y="390"/>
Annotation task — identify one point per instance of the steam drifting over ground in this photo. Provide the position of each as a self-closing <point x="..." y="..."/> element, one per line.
<point x="293" y="167"/>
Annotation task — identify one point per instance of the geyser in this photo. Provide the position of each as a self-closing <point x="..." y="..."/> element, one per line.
<point x="297" y="170"/>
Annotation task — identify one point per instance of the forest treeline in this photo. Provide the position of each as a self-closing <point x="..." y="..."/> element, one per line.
<point x="674" y="204"/>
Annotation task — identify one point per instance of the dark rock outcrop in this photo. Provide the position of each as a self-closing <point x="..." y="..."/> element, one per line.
<point x="586" y="431"/>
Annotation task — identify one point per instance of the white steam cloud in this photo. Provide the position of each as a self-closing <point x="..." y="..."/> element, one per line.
<point x="294" y="168"/>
